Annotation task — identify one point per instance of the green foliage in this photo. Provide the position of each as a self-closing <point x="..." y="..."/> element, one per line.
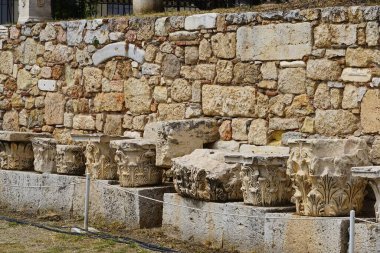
<point x="73" y="9"/>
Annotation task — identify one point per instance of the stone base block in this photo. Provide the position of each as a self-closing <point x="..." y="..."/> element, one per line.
<point x="107" y="203"/>
<point x="216" y="230"/>
<point x="367" y="238"/>
<point x="288" y="233"/>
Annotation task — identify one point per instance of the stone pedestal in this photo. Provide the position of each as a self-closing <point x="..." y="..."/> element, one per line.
<point x="320" y="170"/>
<point x="34" y="11"/>
<point x="136" y="162"/>
<point x="16" y="152"/>
<point x="147" y="6"/>
<point x="45" y="153"/>
<point x="264" y="179"/>
<point x="70" y="160"/>
<point x="205" y="175"/>
<point x="100" y="157"/>
<point x="371" y="173"/>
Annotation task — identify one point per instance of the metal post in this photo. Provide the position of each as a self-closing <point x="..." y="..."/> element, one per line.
<point x="351" y="243"/>
<point x="86" y="201"/>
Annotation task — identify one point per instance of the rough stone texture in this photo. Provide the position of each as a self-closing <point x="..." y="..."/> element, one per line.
<point x="282" y="233"/>
<point x="54" y="108"/>
<point x="224" y="45"/>
<point x="108" y="202"/>
<point x="6" y="64"/>
<point x="138" y="96"/>
<point x="356" y="75"/>
<point x="225" y="130"/>
<point x="240" y="129"/>
<point x="92" y="79"/>
<point x="327" y="35"/>
<point x="179" y="138"/>
<point x="171" y="111"/>
<point x="83" y="122"/>
<point x="201" y="21"/>
<point x="361" y="57"/>
<point x="335" y="122"/>
<point x="45" y="152"/>
<point x="366" y="238"/>
<point x="181" y="90"/>
<point x="323" y="69"/>
<point x="171" y="66"/>
<point x="231" y="101"/>
<point x="258" y="132"/>
<point x="312" y="181"/>
<point x="70" y="160"/>
<point x="204" y="175"/>
<point x="370" y="110"/>
<point x="272" y="47"/>
<point x="215" y="230"/>
<point x="292" y="80"/>
<point x="109" y="102"/>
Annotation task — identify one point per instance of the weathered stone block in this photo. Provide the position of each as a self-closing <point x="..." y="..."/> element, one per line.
<point x="174" y="111"/>
<point x="240" y="129"/>
<point x="327" y="35"/>
<point x="181" y="137"/>
<point x="92" y="79"/>
<point x="205" y="175"/>
<point x="136" y="162"/>
<point x="370" y="111"/>
<point x="47" y="85"/>
<point x="109" y="102"/>
<point x="70" y="160"/>
<point x="181" y="90"/>
<point x="201" y="21"/>
<point x="54" y="108"/>
<point x="224" y="45"/>
<point x="362" y="57"/>
<point x="320" y="170"/>
<point x="231" y="101"/>
<point x="323" y="69"/>
<point x="356" y="75"/>
<point x="6" y="64"/>
<point x="282" y="233"/>
<point x="45" y="153"/>
<point x="83" y="122"/>
<point x="258" y="132"/>
<point x="270" y="46"/>
<point x="138" y="97"/>
<point x="335" y="122"/>
<point x="292" y="80"/>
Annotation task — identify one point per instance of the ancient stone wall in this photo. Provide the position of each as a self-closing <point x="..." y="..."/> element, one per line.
<point x="261" y="74"/>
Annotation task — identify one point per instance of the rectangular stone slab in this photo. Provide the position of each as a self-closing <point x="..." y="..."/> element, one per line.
<point x="21" y="136"/>
<point x="108" y="203"/>
<point x="366" y="172"/>
<point x="95" y="138"/>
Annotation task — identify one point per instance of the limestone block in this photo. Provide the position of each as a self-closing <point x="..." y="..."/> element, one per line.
<point x="215" y="230"/>
<point x="175" y="111"/>
<point x="24" y="80"/>
<point x="327" y="35"/>
<point x="109" y="51"/>
<point x="335" y="122"/>
<point x="191" y="55"/>
<point x="183" y="36"/>
<point x="366" y="238"/>
<point x="83" y="122"/>
<point x="258" y="132"/>
<point x="75" y="32"/>
<point x="181" y="137"/>
<point x="231" y="146"/>
<point x="181" y="90"/>
<point x="171" y="66"/>
<point x="138" y="96"/>
<point x="282" y="233"/>
<point x="199" y="72"/>
<point x="161" y="26"/>
<point x="372" y="34"/>
<point x="284" y="124"/>
<point x="270" y="46"/>
<point x="54" y="108"/>
<point x="292" y="80"/>
<point x="113" y="125"/>
<point x="136" y="162"/>
<point x="292" y="64"/>
<point x="264" y="179"/>
<point x="224" y="72"/>
<point x="240" y="128"/>
<point x="10" y="121"/>
<point x="109" y="102"/>
<point x="320" y="170"/>
<point x="100" y="157"/>
<point x="301" y="106"/>
<point x="47" y="85"/>
<point x="362" y="57"/>
<point x="350" y="97"/>
<point x="6" y="63"/>
<point x="45" y="153"/>
<point x="204" y="175"/>
<point x="49" y="33"/>
<point x="201" y="21"/>
<point x="99" y="35"/>
<point x="150" y="69"/>
<point x="264" y="150"/>
<point x="70" y="160"/>
<point x="58" y="54"/>
<point x="269" y="70"/>
<point x="370" y="111"/>
<point x="224" y="45"/>
<point x="205" y="50"/>
<point x="108" y="202"/>
<point x="356" y="75"/>
<point x="323" y="69"/>
<point x="92" y="79"/>
<point x="230" y="101"/>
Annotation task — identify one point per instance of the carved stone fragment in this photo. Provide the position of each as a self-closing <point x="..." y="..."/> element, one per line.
<point x="205" y="175"/>
<point x="264" y="179"/>
<point x="100" y="158"/>
<point x="320" y="170"/>
<point x="45" y="153"/>
<point x="16" y="152"/>
<point x="70" y="160"/>
<point x="371" y="173"/>
<point x="136" y="162"/>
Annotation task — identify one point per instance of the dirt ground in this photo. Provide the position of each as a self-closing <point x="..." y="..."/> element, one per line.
<point x="16" y="238"/>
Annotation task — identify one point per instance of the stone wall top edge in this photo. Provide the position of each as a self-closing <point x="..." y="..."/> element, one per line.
<point x="336" y="14"/>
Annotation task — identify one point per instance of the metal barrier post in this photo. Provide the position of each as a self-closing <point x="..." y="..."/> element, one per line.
<point x="86" y="201"/>
<point x="351" y="243"/>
